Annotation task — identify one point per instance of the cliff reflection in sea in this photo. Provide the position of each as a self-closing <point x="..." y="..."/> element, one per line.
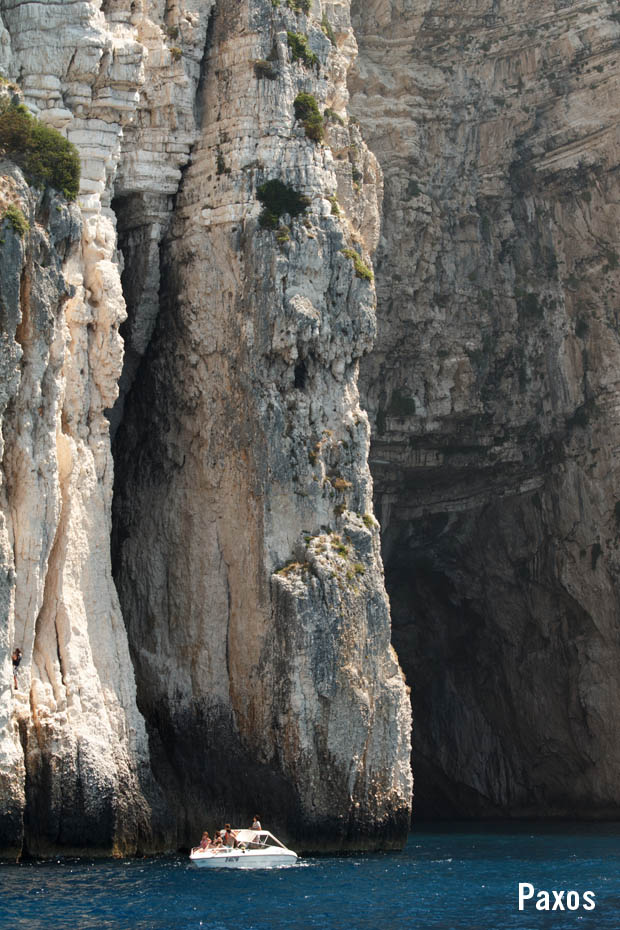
<point x="461" y="878"/>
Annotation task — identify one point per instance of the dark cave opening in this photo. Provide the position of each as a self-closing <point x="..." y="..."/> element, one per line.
<point x="434" y="632"/>
<point x="301" y="376"/>
<point x="141" y="219"/>
<point x="495" y="648"/>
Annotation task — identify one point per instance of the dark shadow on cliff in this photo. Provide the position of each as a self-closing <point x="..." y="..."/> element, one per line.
<point x="494" y="647"/>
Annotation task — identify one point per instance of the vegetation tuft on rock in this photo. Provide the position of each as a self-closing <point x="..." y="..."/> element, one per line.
<point x="41" y="151"/>
<point x="16" y="219"/>
<point x="327" y="29"/>
<point x="340" y="484"/>
<point x="283" y="234"/>
<point x="221" y="166"/>
<point x="335" y="205"/>
<point x="361" y="268"/>
<point x="265" y="69"/>
<point x="307" y="112"/>
<point x="299" y="6"/>
<point x="298" y="44"/>
<point x="277" y="199"/>
<point x="332" y="116"/>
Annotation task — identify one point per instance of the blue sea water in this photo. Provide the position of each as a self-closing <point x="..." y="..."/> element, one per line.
<point x="456" y="878"/>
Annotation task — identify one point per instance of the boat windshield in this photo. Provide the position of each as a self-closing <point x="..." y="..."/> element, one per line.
<point x="258" y="838"/>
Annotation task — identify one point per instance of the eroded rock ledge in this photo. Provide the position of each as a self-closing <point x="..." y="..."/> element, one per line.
<point x="256" y="612"/>
<point x="246" y="553"/>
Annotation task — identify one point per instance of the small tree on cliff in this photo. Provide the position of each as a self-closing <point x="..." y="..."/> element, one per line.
<point x="41" y="151"/>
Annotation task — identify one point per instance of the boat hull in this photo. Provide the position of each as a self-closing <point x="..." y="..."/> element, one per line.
<point x="244" y="859"/>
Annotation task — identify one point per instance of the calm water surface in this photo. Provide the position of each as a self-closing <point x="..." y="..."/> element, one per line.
<point x="453" y="878"/>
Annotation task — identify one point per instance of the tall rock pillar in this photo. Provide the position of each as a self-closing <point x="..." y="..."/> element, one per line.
<point x="247" y="555"/>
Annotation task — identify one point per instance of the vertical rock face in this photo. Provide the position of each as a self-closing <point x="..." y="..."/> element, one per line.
<point x="247" y="557"/>
<point x="74" y="757"/>
<point x="493" y="389"/>
<point x="246" y="551"/>
<point x="72" y="740"/>
<point x="77" y="778"/>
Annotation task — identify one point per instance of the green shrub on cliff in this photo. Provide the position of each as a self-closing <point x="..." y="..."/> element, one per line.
<point x="298" y="44"/>
<point x="361" y="268"/>
<point x="41" y="151"/>
<point x="335" y="205"/>
<point x="278" y="198"/>
<point x="299" y="6"/>
<point x="307" y="112"/>
<point x="14" y="216"/>
<point x="53" y="159"/>
<point x="330" y="114"/>
<point x="263" y="68"/>
<point x="327" y="29"/>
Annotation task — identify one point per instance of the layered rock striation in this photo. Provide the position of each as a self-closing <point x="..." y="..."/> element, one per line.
<point x="227" y="213"/>
<point x="493" y="392"/>
<point x="247" y="557"/>
<point x="73" y="742"/>
<point x="246" y="554"/>
<point x="78" y="773"/>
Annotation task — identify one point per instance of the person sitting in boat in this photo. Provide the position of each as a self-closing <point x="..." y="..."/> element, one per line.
<point x="217" y="840"/>
<point x="205" y="842"/>
<point x="229" y="837"/>
<point x="256" y="823"/>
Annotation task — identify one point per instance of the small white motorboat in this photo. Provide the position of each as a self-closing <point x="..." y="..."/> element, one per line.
<point x="256" y="849"/>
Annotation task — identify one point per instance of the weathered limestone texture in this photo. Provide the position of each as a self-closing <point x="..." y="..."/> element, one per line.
<point x="155" y="147"/>
<point x="494" y="392"/>
<point x="71" y="738"/>
<point x="77" y="778"/>
<point x="246" y="554"/>
<point x="244" y="451"/>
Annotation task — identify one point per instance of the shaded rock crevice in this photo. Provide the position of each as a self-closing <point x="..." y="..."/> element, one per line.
<point x="239" y="439"/>
<point x="492" y="390"/>
<point x="232" y="464"/>
<point x="80" y="779"/>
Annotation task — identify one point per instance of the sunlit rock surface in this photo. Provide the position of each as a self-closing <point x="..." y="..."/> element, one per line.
<point x="72" y="741"/>
<point x="242" y="452"/>
<point x="246" y="553"/>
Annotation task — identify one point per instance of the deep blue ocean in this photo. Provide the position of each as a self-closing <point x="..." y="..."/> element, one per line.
<point x="453" y="878"/>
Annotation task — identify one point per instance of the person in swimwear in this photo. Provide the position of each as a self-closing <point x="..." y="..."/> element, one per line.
<point x="16" y="657"/>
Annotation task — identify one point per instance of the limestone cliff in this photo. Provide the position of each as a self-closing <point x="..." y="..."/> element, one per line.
<point x="493" y="391"/>
<point x="227" y="215"/>
<point x="247" y="556"/>
<point x="72" y="740"/>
